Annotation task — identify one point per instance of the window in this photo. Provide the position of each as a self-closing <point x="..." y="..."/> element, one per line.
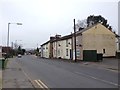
<point x="66" y="43"/>
<point x="66" y="52"/>
<point x="103" y="50"/>
<point x="58" y="52"/>
<point x="119" y="46"/>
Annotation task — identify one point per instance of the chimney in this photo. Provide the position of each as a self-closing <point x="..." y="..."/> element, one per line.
<point x="57" y="36"/>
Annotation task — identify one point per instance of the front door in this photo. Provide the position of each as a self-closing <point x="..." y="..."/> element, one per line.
<point x="71" y="54"/>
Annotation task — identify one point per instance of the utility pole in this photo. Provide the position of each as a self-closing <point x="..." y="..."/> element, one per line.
<point x="75" y="41"/>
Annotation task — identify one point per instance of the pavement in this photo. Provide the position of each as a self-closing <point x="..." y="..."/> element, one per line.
<point x="14" y="77"/>
<point x="106" y="63"/>
<point x="1" y="79"/>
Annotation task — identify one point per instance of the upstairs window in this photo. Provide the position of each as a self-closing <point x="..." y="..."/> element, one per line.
<point x="67" y="43"/>
<point x="119" y="46"/>
<point x="103" y="50"/>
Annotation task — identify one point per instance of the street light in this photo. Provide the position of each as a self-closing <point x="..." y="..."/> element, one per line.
<point x="8" y="31"/>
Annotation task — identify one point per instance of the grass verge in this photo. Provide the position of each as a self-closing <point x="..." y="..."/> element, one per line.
<point x="5" y="63"/>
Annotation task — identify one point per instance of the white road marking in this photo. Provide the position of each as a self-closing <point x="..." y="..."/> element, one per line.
<point x="100" y="67"/>
<point x="97" y="79"/>
<point x="41" y="84"/>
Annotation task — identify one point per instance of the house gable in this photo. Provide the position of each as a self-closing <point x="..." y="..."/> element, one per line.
<point x="98" y="29"/>
<point x="101" y="39"/>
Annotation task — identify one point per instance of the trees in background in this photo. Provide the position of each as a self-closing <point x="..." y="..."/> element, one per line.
<point x="91" y="20"/>
<point x="20" y="50"/>
<point x="37" y="51"/>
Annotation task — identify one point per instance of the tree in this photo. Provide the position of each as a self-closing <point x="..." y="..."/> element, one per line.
<point x="19" y="51"/>
<point x="91" y="20"/>
<point x="23" y="51"/>
<point x="37" y="51"/>
<point x="81" y="24"/>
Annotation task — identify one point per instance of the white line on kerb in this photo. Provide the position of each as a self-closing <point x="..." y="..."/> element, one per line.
<point x="97" y="79"/>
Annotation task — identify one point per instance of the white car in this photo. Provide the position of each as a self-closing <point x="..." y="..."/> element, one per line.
<point x="19" y="55"/>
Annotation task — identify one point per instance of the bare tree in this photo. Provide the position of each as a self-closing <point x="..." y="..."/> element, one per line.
<point x="81" y="24"/>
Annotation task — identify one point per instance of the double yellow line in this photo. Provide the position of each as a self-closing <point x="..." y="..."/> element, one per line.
<point x="41" y="85"/>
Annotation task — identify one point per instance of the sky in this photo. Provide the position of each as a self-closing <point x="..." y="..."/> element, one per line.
<point x="44" y="18"/>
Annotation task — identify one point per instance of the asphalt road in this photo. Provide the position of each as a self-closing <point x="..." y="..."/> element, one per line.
<point x="60" y="74"/>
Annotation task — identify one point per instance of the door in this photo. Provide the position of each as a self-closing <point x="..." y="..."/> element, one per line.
<point x="71" y="57"/>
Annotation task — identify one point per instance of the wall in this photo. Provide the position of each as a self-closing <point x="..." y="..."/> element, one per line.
<point x="59" y="49"/>
<point x="99" y="38"/>
<point x="54" y="50"/>
<point x="64" y="49"/>
<point x="45" y="50"/>
<point x="79" y="48"/>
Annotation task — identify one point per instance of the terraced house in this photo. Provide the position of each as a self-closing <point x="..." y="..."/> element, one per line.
<point x="94" y="39"/>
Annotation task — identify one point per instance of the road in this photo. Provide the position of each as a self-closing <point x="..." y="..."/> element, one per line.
<point x="61" y="74"/>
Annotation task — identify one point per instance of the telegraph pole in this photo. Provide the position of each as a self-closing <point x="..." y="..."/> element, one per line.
<point x="75" y="41"/>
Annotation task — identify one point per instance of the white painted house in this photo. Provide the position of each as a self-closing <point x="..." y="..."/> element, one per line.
<point x="45" y="50"/>
<point x="62" y="47"/>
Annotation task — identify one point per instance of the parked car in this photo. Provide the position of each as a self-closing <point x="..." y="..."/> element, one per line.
<point x="19" y="55"/>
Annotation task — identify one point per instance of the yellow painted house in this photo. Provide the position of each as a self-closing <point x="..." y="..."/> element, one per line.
<point x="97" y="37"/>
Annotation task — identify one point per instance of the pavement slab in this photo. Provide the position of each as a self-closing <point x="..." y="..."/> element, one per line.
<point x="1" y="79"/>
<point x="13" y="77"/>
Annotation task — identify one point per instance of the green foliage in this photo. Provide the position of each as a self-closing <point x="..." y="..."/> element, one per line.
<point x="91" y="20"/>
<point x="37" y="49"/>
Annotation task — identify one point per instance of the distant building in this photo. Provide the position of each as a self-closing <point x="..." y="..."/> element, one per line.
<point x="7" y="51"/>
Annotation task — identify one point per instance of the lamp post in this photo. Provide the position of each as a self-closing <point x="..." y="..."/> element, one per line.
<point x="8" y="37"/>
<point x="8" y="32"/>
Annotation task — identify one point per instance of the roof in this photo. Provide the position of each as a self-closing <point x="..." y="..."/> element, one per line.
<point x="77" y="33"/>
<point x="58" y="39"/>
<point x="45" y="43"/>
<point x="85" y="29"/>
<point x="64" y="37"/>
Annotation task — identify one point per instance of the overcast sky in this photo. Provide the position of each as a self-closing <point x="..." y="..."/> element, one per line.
<point x="44" y="18"/>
